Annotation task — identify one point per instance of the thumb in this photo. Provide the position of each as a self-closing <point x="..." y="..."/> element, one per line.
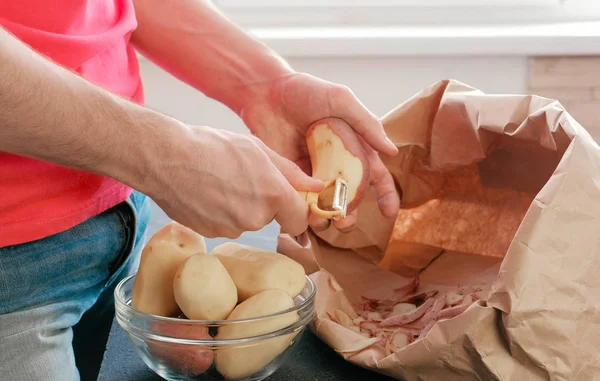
<point x="293" y="173"/>
<point x="293" y="213"/>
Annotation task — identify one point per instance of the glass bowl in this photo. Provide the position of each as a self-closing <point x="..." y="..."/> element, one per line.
<point x="182" y="350"/>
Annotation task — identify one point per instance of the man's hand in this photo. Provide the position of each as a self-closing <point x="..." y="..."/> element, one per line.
<point x="216" y="182"/>
<point x="209" y="52"/>
<point x="292" y="103"/>
<point x="222" y="184"/>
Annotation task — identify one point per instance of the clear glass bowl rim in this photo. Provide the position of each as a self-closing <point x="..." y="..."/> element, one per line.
<point x="121" y="305"/>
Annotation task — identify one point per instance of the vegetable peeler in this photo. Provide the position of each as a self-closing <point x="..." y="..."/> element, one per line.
<point x="336" y="198"/>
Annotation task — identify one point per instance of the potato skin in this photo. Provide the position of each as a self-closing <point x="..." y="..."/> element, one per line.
<point x="152" y="291"/>
<point x="342" y="129"/>
<point x="190" y="360"/>
<point x="240" y="362"/>
<point x="204" y="289"/>
<point x="329" y="158"/>
<point x="255" y="270"/>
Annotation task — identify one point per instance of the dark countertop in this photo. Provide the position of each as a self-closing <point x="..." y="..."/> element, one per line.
<point x="312" y="360"/>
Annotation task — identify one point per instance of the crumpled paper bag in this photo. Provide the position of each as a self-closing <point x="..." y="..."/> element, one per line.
<point x="500" y="190"/>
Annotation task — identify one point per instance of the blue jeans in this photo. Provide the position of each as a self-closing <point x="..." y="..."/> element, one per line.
<point x="56" y="294"/>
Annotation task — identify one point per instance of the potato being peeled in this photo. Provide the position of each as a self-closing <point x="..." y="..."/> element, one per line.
<point x="203" y="288"/>
<point x="336" y="152"/>
<point x="152" y="291"/>
<point x="241" y="362"/>
<point x="255" y="270"/>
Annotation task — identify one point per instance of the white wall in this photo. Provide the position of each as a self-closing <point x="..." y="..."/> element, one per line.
<point x="381" y="83"/>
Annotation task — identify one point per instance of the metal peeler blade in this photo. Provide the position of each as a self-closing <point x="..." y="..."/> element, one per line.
<point x="340" y="197"/>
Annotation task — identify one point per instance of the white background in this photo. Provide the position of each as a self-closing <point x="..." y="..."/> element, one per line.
<point x="363" y="45"/>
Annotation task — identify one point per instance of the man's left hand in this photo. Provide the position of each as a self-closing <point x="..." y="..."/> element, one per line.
<point x="292" y="103"/>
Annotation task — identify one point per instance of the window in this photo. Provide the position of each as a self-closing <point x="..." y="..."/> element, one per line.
<point x="379" y="3"/>
<point x="397" y="3"/>
<point x="406" y="12"/>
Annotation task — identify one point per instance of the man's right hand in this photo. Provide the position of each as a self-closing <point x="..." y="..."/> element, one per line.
<point x="222" y="184"/>
<point x="216" y="182"/>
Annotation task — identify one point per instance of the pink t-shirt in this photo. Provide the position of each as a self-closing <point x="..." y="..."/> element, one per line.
<point x="90" y="37"/>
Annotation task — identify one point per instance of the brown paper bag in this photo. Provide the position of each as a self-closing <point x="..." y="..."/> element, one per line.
<point x="499" y="190"/>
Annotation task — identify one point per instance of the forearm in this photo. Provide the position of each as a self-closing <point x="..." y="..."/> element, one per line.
<point x="193" y="41"/>
<point x="51" y="114"/>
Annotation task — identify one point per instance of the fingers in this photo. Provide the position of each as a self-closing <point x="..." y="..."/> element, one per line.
<point x="344" y="225"/>
<point x="318" y="223"/>
<point x="293" y="216"/>
<point x="347" y="224"/>
<point x="347" y="106"/>
<point x="383" y="185"/>
<point x="293" y="173"/>
<point x="293" y="211"/>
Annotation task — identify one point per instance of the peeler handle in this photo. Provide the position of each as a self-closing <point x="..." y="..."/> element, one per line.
<point x="339" y="200"/>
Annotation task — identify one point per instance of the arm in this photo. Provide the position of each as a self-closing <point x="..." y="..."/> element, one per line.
<point x="193" y="41"/>
<point x="51" y="114"/>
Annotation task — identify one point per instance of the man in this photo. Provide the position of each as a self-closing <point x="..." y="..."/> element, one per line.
<point x="75" y="142"/>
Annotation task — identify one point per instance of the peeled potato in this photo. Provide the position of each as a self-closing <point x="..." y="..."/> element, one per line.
<point x="152" y="291"/>
<point x="189" y="360"/>
<point x="240" y="362"/>
<point x="203" y="289"/>
<point x="254" y="270"/>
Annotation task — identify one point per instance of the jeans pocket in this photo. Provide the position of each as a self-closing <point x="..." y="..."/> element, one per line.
<point x="128" y="220"/>
<point x="134" y="214"/>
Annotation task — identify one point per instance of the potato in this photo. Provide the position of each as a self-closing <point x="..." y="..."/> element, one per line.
<point x="243" y="361"/>
<point x="254" y="270"/>
<point x="203" y="289"/>
<point x="152" y="291"/>
<point x="189" y="360"/>
<point x="336" y="152"/>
